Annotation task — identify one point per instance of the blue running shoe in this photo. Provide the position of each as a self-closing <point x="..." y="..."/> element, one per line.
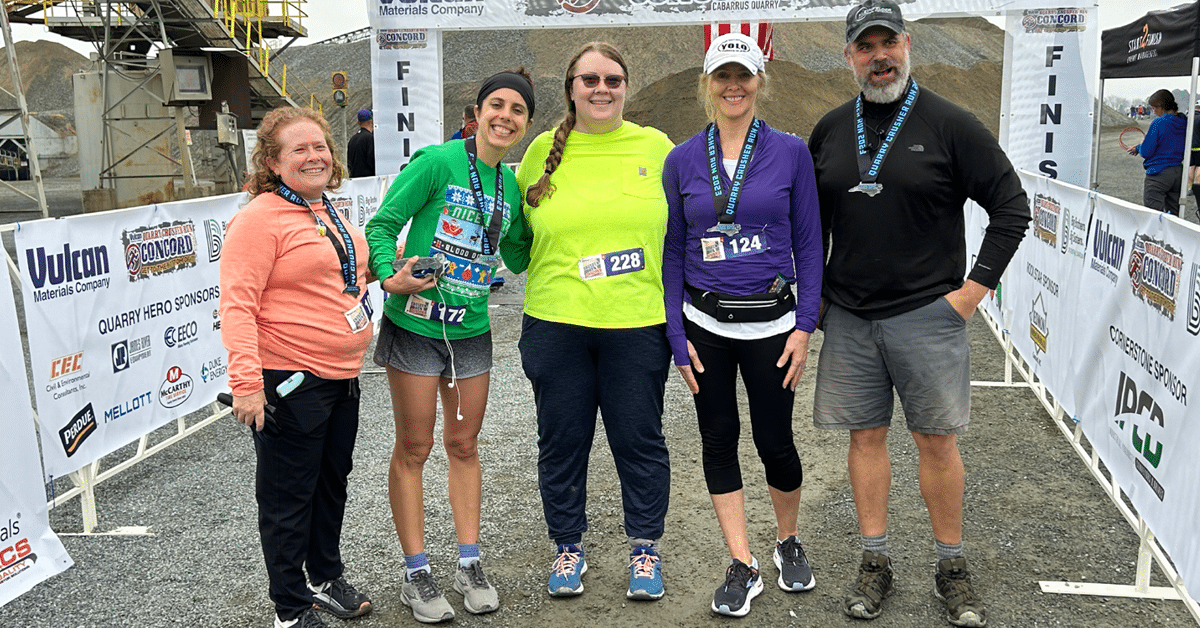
<point x="645" y="574"/>
<point x="566" y="574"/>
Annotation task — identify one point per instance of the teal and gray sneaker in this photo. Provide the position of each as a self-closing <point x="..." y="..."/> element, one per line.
<point x="566" y="574"/>
<point x="645" y="574"/>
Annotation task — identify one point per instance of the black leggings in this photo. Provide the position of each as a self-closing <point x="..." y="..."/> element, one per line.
<point x="770" y="409"/>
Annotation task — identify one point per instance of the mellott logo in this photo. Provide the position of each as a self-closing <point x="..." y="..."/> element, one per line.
<point x="215" y="236"/>
<point x="176" y="388"/>
<point x="1046" y="210"/>
<point x="77" y="430"/>
<point x="1154" y="269"/>
<point x="181" y="335"/>
<point x="161" y="249"/>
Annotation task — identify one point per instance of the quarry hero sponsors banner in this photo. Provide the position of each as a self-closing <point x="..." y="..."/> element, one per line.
<point x="1137" y="367"/>
<point x="124" y="330"/>
<point x="406" y="77"/>
<point x="1041" y="285"/>
<point x="1049" y="68"/>
<point x="29" y="550"/>
<point x="445" y="14"/>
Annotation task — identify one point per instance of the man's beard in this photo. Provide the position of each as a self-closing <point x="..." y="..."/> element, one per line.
<point x="889" y="92"/>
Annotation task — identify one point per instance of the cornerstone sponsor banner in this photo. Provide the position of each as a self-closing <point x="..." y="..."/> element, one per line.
<point x="406" y="77"/>
<point x="1137" y="366"/>
<point x="124" y="329"/>
<point x="29" y="550"/>
<point x="1160" y="43"/>
<point x="453" y="14"/>
<point x="1041" y="285"/>
<point x="1049" y="69"/>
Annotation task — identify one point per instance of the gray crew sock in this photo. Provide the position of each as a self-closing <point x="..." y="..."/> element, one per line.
<point x="945" y="551"/>
<point x="635" y="543"/>
<point x="876" y="544"/>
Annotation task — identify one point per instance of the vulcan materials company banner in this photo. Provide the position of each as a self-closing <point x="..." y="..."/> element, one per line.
<point x="1137" y="364"/>
<point x="29" y="550"/>
<point x="1049" y="70"/>
<point x="406" y="79"/>
<point x="122" y="314"/>
<point x="474" y="14"/>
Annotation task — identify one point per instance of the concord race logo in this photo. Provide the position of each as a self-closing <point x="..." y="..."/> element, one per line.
<point x="176" y="388"/>
<point x="1054" y="20"/>
<point x="55" y="275"/>
<point x="401" y="38"/>
<point x="1154" y="268"/>
<point x="165" y="248"/>
<point x="1045" y="219"/>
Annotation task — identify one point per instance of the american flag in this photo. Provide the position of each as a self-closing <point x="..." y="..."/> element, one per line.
<point x="759" y="31"/>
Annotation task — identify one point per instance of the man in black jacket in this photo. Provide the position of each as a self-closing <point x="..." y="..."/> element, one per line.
<point x="894" y="168"/>
<point x="360" y="150"/>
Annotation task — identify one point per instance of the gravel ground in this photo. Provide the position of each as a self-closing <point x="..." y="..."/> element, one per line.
<point x="1032" y="514"/>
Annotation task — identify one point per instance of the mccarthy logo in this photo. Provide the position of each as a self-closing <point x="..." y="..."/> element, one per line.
<point x="165" y="248"/>
<point x="1045" y="219"/>
<point x="176" y="388"/>
<point x="77" y="430"/>
<point x="1154" y="268"/>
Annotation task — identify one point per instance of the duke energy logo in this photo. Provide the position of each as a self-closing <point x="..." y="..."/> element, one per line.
<point x="1045" y="219"/>
<point x="55" y="274"/>
<point x="1154" y="269"/>
<point x="157" y="250"/>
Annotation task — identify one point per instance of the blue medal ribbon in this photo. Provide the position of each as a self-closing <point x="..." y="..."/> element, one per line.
<point x="868" y="168"/>
<point x="726" y="216"/>
<point x="346" y="254"/>
<point x="495" y="219"/>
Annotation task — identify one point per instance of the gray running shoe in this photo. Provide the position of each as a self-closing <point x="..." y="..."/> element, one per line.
<point x="954" y="589"/>
<point x="427" y="602"/>
<point x="795" y="574"/>
<point x="479" y="596"/>
<point x="874" y="583"/>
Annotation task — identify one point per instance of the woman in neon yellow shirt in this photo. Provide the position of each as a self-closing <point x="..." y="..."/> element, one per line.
<point x="594" y="330"/>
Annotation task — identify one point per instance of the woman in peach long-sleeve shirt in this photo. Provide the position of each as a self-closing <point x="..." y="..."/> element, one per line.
<point x="294" y="319"/>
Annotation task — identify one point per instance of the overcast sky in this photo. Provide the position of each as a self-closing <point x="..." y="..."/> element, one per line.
<point x="328" y="18"/>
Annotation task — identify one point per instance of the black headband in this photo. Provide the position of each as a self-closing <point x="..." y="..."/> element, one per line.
<point x="512" y="81"/>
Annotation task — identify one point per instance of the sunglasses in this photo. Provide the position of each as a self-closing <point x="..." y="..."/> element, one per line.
<point x="612" y="81"/>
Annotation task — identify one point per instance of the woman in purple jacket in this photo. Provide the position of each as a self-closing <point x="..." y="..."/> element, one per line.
<point x="743" y="230"/>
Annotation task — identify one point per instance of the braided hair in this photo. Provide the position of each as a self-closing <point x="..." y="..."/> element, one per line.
<point x="544" y="188"/>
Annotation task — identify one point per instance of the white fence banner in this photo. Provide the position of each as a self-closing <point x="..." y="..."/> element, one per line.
<point x="357" y="201"/>
<point x="1049" y="71"/>
<point x="454" y="14"/>
<point x="29" y="550"/>
<point x="406" y="78"/>
<point x="123" y="332"/>
<point x="1137" y="359"/>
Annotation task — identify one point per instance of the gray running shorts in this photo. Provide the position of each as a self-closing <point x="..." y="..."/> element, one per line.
<point x="415" y="354"/>
<point x="924" y="355"/>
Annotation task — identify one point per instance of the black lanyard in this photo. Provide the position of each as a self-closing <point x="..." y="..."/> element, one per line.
<point x="345" y="253"/>
<point x="730" y="203"/>
<point x="868" y="169"/>
<point x="495" y="219"/>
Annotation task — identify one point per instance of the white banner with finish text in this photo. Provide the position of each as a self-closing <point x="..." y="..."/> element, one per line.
<point x="406" y="80"/>
<point x="29" y="550"/>
<point x="1049" y="72"/>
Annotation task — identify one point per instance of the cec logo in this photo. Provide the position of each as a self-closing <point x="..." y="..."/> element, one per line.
<point x="66" y="365"/>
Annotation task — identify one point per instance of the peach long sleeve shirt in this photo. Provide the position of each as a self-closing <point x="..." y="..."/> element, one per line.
<point x="282" y="305"/>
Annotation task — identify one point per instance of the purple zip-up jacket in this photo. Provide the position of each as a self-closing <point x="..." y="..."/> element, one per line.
<point x="778" y="201"/>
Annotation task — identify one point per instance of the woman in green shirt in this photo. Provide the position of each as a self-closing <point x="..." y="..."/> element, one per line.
<point x="435" y="336"/>
<point x="593" y="335"/>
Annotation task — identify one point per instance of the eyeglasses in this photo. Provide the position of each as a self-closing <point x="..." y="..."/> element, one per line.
<point x="612" y="81"/>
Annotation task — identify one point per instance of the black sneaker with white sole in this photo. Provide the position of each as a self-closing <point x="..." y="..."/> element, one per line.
<point x="795" y="574"/>
<point x="340" y="598"/>
<point x="742" y="584"/>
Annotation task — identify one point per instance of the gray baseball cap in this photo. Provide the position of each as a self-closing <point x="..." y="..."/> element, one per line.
<point x="870" y="13"/>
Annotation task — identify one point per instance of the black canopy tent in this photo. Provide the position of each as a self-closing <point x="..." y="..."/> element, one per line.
<point x="1160" y="43"/>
